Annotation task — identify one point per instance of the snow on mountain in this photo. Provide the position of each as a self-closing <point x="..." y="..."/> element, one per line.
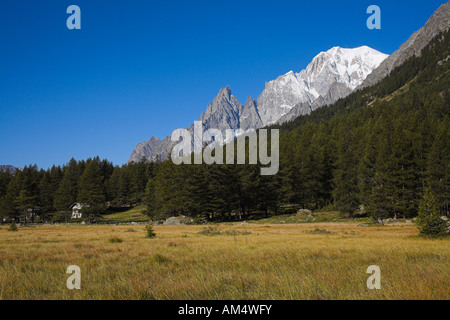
<point x="331" y="75"/>
<point x="437" y="23"/>
<point x="9" y="168"/>
<point x="338" y="65"/>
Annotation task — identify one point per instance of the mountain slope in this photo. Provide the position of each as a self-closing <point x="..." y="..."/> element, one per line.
<point x="225" y="112"/>
<point x="9" y="168"/>
<point x="438" y="22"/>
<point x="331" y="75"/>
<point x="376" y="149"/>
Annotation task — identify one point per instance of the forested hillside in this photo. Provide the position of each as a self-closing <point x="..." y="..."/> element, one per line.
<point x="379" y="147"/>
<point x="374" y="152"/>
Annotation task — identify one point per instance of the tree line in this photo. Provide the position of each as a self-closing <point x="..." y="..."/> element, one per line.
<point x="98" y="184"/>
<point x="372" y="153"/>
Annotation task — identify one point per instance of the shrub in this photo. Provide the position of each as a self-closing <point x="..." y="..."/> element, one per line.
<point x="115" y="240"/>
<point x="160" y="259"/>
<point x="214" y="231"/>
<point x="149" y="231"/>
<point x="320" y="231"/>
<point x="210" y="231"/>
<point x="236" y="233"/>
<point x="198" y="220"/>
<point x="13" y="227"/>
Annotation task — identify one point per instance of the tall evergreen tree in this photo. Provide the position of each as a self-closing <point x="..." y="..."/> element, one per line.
<point x="46" y="194"/>
<point x="67" y="192"/>
<point x="346" y="192"/>
<point x="429" y="219"/>
<point x="91" y="190"/>
<point x="438" y="167"/>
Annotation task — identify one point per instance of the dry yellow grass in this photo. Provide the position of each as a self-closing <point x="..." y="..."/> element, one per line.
<point x="273" y="262"/>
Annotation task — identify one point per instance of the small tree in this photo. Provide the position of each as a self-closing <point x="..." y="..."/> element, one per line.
<point x="429" y="220"/>
<point x="149" y="231"/>
<point x="13" y="227"/>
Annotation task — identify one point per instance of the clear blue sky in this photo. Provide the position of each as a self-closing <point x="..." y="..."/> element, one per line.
<point x="141" y="68"/>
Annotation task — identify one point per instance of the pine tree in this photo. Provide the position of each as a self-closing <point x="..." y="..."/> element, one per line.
<point x="346" y="192"/>
<point x="152" y="201"/>
<point x="149" y="233"/>
<point x="138" y="180"/>
<point x="429" y="220"/>
<point x="24" y="204"/>
<point x="5" y="178"/>
<point x="91" y="192"/>
<point x="438" y="168"/>
<point x="8" y="209"/>
<point x="118" y="187"/>
<point x="67" y="192"/>
<point x="46" y="194"/>
<point x="367" y="169"/>
<point x="403" y="176"/>
<point x="380" y="200"/>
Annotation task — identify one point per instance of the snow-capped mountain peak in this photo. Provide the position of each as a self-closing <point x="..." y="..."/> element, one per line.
<point x="331" y="75"/>
<point x="326" y="71"/>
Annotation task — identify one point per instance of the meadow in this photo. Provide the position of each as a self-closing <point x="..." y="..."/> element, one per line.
<point x="238" y="261"/>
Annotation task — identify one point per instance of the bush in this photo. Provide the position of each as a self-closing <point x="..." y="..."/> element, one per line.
<point x="210" y="231"/>
<point x="198" y="220"/>
<point x="160" y="259"/>
<point x="236" y="233"/>
<point x="429" y="220"/>
<point x="115" y="240"/>
<point x="320" y="231"/>
<point x="13" y="227"/>
<point x="149" y="231"/>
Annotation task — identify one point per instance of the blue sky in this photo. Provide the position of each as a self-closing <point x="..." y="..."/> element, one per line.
<point x="138" y="68"/>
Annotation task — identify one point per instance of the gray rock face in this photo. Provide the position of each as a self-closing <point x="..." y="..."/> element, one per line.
<point x="330" y="76"/>
<point x="438" y="22"/>
<point x="249" y="116"/>
<point x="336" y="92"/>
<point x="225" y="112"/>
<point x="9" y="168"/>
<point x="154" y="149"/>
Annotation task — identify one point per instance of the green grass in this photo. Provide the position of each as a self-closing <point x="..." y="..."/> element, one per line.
<point x="333" y="216"/>
<point x="133" y="215"/>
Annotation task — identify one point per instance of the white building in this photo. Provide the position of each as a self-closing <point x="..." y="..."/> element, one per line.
<point x="76" y="210"/>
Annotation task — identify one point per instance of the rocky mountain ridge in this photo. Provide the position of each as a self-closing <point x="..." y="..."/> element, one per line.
<point x="331" y="75"/>
<point x="437" y="23"/>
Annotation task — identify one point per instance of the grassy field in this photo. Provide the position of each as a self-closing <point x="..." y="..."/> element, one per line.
<point x="133" y="215"/>
<point x="303" y="218"/>
<point x="273" y="261"/>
